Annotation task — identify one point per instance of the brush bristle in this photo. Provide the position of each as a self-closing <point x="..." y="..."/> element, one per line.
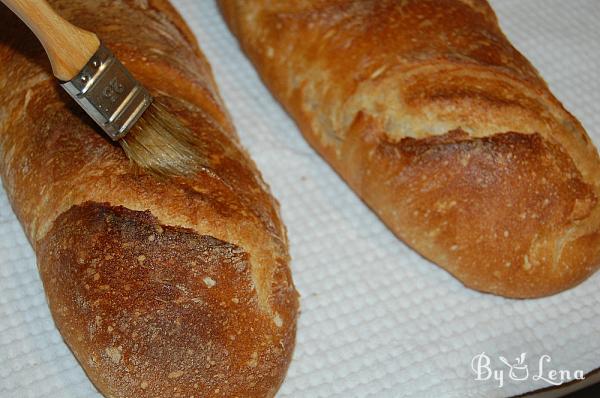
<point x="161" y="144"/>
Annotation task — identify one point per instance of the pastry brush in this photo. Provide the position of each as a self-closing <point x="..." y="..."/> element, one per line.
<point x="151" y="137"/>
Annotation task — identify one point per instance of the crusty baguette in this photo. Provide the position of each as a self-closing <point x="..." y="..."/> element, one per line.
<point x="444" y="129"/>
<point x="161" y="287"/>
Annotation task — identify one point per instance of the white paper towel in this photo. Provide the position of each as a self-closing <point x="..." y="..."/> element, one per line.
<point x="377" y="320"/>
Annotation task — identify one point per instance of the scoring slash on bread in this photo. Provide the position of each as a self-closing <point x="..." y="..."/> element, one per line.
<point x="442" y="127"/>
<point x="161" y="286"/>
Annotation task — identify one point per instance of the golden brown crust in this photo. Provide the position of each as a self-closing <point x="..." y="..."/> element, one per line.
<point x="159" y="311"/>
<point x="442" y="127"/>
<point x="62" y="177"/>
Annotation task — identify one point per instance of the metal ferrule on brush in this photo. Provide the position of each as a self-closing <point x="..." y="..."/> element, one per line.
<point x="109" y="94"/>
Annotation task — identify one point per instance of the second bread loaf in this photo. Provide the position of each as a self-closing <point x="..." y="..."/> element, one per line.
<point x="444" y="129"/>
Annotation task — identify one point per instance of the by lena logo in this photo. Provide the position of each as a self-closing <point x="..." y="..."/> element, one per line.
<point x="518" y="370"/>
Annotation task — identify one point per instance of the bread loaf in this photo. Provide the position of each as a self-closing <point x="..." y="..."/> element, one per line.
<point x="162" y="287"/>
<point x="442" y="127"/>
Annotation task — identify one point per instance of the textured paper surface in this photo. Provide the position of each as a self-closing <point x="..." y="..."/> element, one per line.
<point x="377" y="320"/>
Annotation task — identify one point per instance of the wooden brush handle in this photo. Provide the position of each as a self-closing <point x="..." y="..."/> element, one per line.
<point x="68" y="47"/>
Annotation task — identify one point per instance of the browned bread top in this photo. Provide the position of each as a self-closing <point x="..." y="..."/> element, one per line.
<point x="156" y="310"/>
<point x="202" y="306"/>
<point x="442" y="127"/>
